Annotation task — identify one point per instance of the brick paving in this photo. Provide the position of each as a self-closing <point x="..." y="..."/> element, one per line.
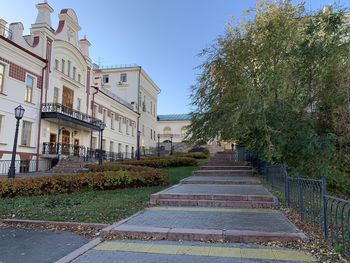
<point x="199" y="211"/>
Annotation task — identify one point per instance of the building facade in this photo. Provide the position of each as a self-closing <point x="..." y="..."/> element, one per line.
<point x="173" y="127"/>
<point x="133" y="85"/>
<point x="50" y="74"/>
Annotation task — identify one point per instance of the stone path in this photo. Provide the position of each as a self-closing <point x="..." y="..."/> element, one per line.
<point x="222" y="202"/>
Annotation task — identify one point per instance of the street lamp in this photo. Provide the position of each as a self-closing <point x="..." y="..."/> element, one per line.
<point x="138" y="145"/>
<point x="158" y="144"/>
<point x="171" y="145"/>
<point x="102" y="127"/>
<point x="19" y="112"/>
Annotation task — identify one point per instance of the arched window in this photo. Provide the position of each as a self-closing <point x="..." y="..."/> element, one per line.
<point x="167" y="131"/>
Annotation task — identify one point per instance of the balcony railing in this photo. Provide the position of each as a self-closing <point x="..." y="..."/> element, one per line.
<point x="166" y="135"/>
<point x="5" y="32"/>
<point x="66" y="111"/>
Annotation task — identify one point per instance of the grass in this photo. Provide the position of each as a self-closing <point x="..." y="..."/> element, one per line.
<point x="93" y="207"/>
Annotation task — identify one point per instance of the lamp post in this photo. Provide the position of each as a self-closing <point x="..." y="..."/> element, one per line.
<point x="102" y="127"/>
<point x="171" y="145"/>
<point x="19" y="112"/>
<point x="158" y="144"/>
<point x="138" y="145"/>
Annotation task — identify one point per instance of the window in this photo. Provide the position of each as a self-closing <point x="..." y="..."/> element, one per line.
<point x="26" y="133"/>
<point x="123" y="77"/>
<point x="63" y="66"/>
<point x="104" y="116"/>
<point x="93" y="143"/>
<point x="133" y="131"/>
<point x="143" y="130"/>
<point x="112" y="121"/>
<point x="151" y="134"/>
<point x="55" y="95"/>
<point x="151" y="107"/>
<point x="78" y="104"/>
<point x="2" y="76"/>
<point x="103" y="144"/>
<point x="57" y="64"/>
<point x="68" y="71"/>
<point x="111" y="146"/>
<point x="29" y="89"/>
<point x="126" y="151"/>
<point x="127" y="127"/>
<point x="74" y="72"/>
<point x="120" y="124"/>
<point x="154" y="135"/>
<point x="167" y="131"/>
<point x="119" y="147"/>
<point x="79" y="78"/>
<point x="105" y="79"/>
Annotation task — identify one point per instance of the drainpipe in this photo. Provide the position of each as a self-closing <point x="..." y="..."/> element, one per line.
<point x="40" y="111"/>
<point x="138" y="106"/>
<point x="92" y="110"/>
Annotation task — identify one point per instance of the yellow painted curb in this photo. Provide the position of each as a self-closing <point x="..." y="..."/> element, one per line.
<point x="213" y="251"/>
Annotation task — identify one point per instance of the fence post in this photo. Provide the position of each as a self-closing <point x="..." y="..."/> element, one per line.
<point x="324" y="207"/>
<point x="286" y="185"/>
<point x="301" y="199"/>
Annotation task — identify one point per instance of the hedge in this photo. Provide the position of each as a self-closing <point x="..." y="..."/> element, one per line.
<point x="155" y="162"/>
<point x="122" y="177"/>
<point x="195" y="155"/>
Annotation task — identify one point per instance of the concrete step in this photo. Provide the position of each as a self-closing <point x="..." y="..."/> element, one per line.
<point x="226" y="163"/>
<point x="206" y="224"/>
<point x="223" y="173"/>
<point x="220" y="180"/>
<point x="215" y="203"/>
<point x="226" y="167"/>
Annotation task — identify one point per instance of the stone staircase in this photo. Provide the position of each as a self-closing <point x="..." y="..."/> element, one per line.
<point x="70" y="165"/>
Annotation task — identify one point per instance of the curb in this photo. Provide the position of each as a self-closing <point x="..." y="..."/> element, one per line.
<point x="53" y="223"/>
<point x="78" y="252"/>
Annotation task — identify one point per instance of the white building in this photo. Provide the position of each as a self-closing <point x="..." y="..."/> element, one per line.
<point x="173" y="126"/>
<point x="134" y="85"/>
<point x="50" y="73"/>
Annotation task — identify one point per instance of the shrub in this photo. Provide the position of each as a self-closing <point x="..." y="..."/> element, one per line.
<point x="121" y="177"/>
<point x="155" y="162"/>
<point x="199" y="149"/>
<point x="195" y="155"/>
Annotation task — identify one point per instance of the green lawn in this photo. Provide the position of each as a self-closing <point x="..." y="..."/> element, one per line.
<point x="92" y="207"/>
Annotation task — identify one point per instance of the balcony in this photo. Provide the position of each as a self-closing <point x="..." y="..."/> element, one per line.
<point x="68" y="116"/>
<point x="5" y="32"/>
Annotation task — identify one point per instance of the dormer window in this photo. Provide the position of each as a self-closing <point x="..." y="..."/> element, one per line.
<point x="105" y="79"/>
<point x="123" y="77"/>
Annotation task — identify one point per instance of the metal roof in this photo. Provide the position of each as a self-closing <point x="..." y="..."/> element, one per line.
<point x="174" y="117"/>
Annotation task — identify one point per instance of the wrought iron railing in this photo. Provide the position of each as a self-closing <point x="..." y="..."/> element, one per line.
<point x="5" y="32"/>
<point x="25" y="166"/>
<point x="309" y="198"/>
<point x="59" y="108"/>
<point x="63" y="149"/>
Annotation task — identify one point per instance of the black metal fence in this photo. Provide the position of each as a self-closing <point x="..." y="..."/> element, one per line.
<point x="25" y="166"/>
<point x="309" y="198"/>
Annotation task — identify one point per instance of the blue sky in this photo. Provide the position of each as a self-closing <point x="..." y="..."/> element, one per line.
<point x="163" y="36"/>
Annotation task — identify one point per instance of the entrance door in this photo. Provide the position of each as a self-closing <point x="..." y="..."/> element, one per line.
<point x="52" y="145"/>
<point x="76" y="147"/>
<point x="65" y="142"/>
<point x="67" y="100"/>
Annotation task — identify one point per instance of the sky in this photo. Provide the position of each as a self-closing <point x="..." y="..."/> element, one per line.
<point x="162" y="36"/>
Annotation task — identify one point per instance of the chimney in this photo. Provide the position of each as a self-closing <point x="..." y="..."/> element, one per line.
<point x="84" y="46"/>
<point x="17" y="32"/>
<point x="3" y="24"/>
<point x="44" y="14"/>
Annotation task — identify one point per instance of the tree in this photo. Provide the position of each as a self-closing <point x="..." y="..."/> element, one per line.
<point x="279" y="84"/>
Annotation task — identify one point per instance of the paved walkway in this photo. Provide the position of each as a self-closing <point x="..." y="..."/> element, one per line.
<point x="222" y="202"/>
<point x="36" y="246"/>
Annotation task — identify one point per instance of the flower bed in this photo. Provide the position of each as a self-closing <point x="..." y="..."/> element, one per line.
<point x="121" y="177"/>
